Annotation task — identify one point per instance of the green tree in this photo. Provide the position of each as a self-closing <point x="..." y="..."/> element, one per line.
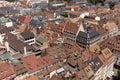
<point x="65" y="15"/>
<point x="118" y="76"/>
<point x="96" y="1"/>
<point x="68" y="1"/>
<point x="10" y="0"/>
<point x="50" y="0"/>
<point x="102" y="2"/>
<point x="111" y="5"/>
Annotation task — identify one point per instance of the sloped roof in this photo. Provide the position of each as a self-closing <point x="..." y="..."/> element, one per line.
<point x="40" y="39"/>
<point x="88" y="35"/>
<point x="4" y="29"/>
<point x="71" y="27"/>
<point x="89" y="72"/>
<point x="106" y="53"/>
<point x="106" y="56"/>
<point x="8" y="56"/>
<point x="10" y="36"/>
<point x="44" y="61"/>
<point x="30" y="63"/>
<point x="95" y="64"/>
<point x="27" y="35"/>
<point x="18" y="45"/>
<point x="24" y="19"/>
<point x="19" y="68"/>
<point x="110" y="26"/>
<point x="94" y="48"/>
<point x="3" y="19"/>
<point x="6" y="70"/>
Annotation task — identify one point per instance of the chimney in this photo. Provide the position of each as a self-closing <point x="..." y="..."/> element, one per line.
<point x="25" y="51"/>
<point x="7" y="46"/>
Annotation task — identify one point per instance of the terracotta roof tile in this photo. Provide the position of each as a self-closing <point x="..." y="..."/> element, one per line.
<point x="94" y="48"/>
<point x="6" y="70"/>
<point x="106" y="53"/>
<point x="44" y="61"/>
<point x="60" y="27"/>
<point x="10" y="36"/>
<point x="89" y="72"/>
<point x="71" y="27"/>
<point x="19" y="68"/>
<point x="106" y="56"/>
<point x="24" y="19"/>
<point x="86" y="55"/>
<point x="112" y="43"/>
<point x="101" y="30"/>
<point x="30" y="63"/>
<point x="110" y="26"/>
<point x="31" y="78"/>
<point x="73" y="6"/>
<point x="33" y="63"/>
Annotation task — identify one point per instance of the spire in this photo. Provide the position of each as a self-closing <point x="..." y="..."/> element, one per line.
<point x="82" y="27"/>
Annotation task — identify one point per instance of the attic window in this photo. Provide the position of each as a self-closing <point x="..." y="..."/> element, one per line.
<point x="88" y="70"/>
<point x="97" y="63"/>
<point x="107" y="52"/>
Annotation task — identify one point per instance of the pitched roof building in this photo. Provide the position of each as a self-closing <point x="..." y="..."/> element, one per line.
<point x="6" y="71"/>
<point x="27" y="37"/>
<point x="30" y="63"/>
<point x="87" y="39"/>
<point x="24" y="19"/>
<point x="19" y="46"/>
<point x="71" y="30"/>
<point x="19" y="68"/>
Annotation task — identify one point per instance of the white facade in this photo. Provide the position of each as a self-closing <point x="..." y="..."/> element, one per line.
<point x="9" y="24"/>
<point x="30" y="41"/>
<point x="108" y="70"/>
<point x="113" y="32"/>
<point x="98" y="74"/>
<point x="37" y="1"/>
<point x="58" y="4"/>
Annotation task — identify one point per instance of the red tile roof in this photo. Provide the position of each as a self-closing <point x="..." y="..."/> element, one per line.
<point x="106" y="56"/>
<point x="74" y="7"/>
<point x="60" y="27"/>
<point x="24" y="19"/>
<point x="85" y="55"/>
<point x="101" y="30"/>
<point x="6" y="70"/>
<point x="44" y="61"/>
<point x="71" y="27"/>
<point x="10" y="36"/>
<point x="30" y="63"/>
<point x="112" y="43"/>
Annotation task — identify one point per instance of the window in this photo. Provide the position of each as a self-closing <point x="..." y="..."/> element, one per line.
<point x="87" y="69"/>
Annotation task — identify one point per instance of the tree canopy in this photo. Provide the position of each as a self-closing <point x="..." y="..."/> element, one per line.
<point x="118" y="76"/>
<point x="10" y="0"/>
<point x="111" y="5"/>
<point x="96" y="1"/>
<point x="68" y="1"/>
